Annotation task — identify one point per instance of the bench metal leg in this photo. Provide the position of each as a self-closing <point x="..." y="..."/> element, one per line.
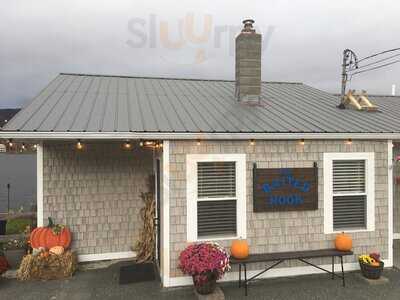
<point x="240" y="275"/>
<point x="341" y="262"/>
<point x="333" y="267"/>
<point x="245" y="278"/>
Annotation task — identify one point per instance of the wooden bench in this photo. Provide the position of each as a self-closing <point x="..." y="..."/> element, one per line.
<point x="280" y="257"/>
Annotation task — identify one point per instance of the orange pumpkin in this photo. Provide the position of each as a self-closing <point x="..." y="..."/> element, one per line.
<point x="375" y="264"/>
<point x="343" y="242"/>
<point x="240" y="249"/>
<point x="45" y="254"/>
<point x="50" y="236"/>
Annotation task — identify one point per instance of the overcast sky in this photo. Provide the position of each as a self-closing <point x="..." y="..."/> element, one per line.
<point x="303" y="40"/>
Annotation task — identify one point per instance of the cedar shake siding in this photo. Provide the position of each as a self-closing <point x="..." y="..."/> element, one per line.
<point x="96" y="192"/>
<point x="281" y="231"/>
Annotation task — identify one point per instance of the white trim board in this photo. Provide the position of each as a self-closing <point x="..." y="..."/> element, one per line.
<point x="165" y="246"/>
<point x="39" y="185"/>
<point x="194" y="136"/>
<point x="274" y="273"/>
<point x="106" y="256"/>
<point x="390" y="201"/>
<point x="192" y="161"/>
<point x="328" y="159"/>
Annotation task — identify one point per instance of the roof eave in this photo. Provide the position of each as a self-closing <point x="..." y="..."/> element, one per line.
<point x="194" y="136"/>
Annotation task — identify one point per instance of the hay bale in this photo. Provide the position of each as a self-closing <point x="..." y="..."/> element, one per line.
<point x="47" y="268"/>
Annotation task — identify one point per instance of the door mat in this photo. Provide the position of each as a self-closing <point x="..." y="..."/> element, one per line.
<point x="133" y="273"/>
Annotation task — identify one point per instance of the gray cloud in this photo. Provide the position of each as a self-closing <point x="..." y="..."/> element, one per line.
<point x="40" y="39"/>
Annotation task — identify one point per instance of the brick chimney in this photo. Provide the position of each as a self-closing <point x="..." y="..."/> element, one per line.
<point x="248" y="64"/>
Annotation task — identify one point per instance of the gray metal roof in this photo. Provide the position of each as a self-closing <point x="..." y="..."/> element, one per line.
<point x="96" y="103"/>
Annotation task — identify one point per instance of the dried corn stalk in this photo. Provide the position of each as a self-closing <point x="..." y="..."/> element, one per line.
<point x="145" y="246"/>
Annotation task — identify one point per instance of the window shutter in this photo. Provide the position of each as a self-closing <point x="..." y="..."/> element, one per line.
<point x="216" y="180"/>
<point x="349" y="194"/>
<point x="348" y="176"/>
<point x="216" y="218"/>
<point x="349" y="212"/>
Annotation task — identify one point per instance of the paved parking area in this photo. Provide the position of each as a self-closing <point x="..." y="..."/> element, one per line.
<point x="103" y="284"/>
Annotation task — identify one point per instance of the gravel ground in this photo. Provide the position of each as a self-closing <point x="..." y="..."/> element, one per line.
<point x="103" y="284"/>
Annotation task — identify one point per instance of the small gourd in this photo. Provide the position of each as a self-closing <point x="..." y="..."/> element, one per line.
<point x="57" y="250"/>
<point x="343" y="242"/>
<point x="240" y="249"/>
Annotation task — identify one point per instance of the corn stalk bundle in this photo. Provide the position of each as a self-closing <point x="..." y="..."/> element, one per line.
<point x="145" y="246"/>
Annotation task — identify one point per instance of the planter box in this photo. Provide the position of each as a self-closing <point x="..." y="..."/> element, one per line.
<point x="14" y="257"/>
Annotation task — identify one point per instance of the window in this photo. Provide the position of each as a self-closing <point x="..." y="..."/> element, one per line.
<point x="216" y="201"/>
<point x="349" y="192"/>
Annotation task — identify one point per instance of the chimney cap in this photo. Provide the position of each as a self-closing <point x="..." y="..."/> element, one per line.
<point x="248" y="26"/>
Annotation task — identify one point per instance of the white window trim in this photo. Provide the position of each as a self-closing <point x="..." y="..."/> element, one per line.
<point x="191" y="193"/>
<point x="369" y="158"/>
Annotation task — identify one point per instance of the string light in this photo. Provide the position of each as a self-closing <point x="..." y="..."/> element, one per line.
<point x="198" y="143"/>
<point x="10" y="143"/>
<point x="23" y="147"/>
<point x="79" y="145"/>
<point x="252" y="142"/>
<point x="127" y="145"/>
<point x="302" y="142"/>
<point x="34" y="147"/>
<point x="149" y="143"/>
<point x="161" y="145"/>
<point x="349" y="142"/>
<point x="141" y="144"/>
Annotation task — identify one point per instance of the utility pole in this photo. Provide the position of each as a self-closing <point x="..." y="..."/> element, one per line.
<point x="349" y="60"/>
<point x="344" y="80"/>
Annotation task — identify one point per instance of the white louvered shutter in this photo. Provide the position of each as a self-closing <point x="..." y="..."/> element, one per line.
<point x="217" y="202"/>
<point x="349" y="194"/>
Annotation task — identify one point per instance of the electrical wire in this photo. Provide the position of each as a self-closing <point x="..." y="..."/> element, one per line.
<point x="375" y="68"/>
<point x="374" y="63"/>
<point x="380" y="53"/>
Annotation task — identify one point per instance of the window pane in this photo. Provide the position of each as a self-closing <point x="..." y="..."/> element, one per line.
<point x="348" y="176"/>
<point x="349" y="212"/>
<point x="216" y="179"/>
<point x="216" y="218"/>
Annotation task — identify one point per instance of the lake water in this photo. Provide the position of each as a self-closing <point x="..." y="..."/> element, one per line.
<point x="19" y="170"/>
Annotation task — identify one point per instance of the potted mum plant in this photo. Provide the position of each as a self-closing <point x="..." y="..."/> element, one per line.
<point x="371" y="265"/>
<point x="206" y="263"/>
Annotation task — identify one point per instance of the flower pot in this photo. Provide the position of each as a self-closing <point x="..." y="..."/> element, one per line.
<point x="371" y="272"/>
<point x="14" y="257"/>
<point x="205" y="284"/>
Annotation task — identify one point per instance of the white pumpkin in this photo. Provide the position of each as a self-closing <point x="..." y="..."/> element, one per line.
<point x="57" y="250"/>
